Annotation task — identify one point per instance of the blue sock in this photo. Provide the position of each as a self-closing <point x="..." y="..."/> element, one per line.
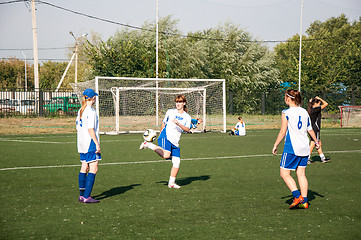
<point x="82" y="180"/>
<point x="90" y="179"/>
<point x="305" y="199"/>
<point x="296" y="194"/>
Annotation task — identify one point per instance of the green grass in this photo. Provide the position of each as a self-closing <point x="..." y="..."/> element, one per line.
<point x="231" y="189"/>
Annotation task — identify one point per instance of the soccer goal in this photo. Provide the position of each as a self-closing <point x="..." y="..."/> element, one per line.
<point x="350" y="116"/>
<point x="128" y="105"/>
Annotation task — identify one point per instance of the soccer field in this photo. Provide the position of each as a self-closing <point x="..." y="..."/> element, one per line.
<point x="231" y="189"/>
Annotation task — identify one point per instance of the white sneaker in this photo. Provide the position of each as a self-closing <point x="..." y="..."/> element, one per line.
<point x="173" y="185"/>
<point x="143" y="145"/>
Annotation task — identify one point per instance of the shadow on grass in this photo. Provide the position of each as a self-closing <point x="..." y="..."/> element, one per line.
<point x="317" y="159"/>
<point x="115" y="191"/>
<point x="188" y="180"/>
<point x="311" y="196"/>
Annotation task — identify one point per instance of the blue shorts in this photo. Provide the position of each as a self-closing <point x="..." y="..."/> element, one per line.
<point x="290" y="161"/>
<point x="168" y="146"/>
<point x="90" y="157"/>
<point x="238" y="133"/>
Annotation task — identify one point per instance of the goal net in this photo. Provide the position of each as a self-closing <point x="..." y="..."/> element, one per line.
<point x="350" y="116"/>
<point x="129" y="105"/>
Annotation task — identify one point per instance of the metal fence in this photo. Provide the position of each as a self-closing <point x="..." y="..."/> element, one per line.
<point x="38" y="103"/>
<point x="272" y="102"/>
<point x="66" y="102"/>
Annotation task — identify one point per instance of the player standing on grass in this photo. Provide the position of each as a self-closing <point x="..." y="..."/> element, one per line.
<point x="295" y="125"/>
<point x="175" y="121"/>
<point x="315" y="105"/>
<point x="87" y="126"/>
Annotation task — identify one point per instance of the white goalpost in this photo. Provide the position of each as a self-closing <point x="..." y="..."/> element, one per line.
<point x="127" y="105"/>
<point x="350" y="116"/>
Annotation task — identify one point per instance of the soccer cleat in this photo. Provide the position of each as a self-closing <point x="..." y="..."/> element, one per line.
<point x="296" y="201"/>
<point x="173" y="185"/>
<point x="310" y="162"/>
<point x="81" y="199"/>
<point x="326" y="160"/>
<point x="143" y="145"/>
<point x="90" y="200"/>
<point x="303" y="205"/>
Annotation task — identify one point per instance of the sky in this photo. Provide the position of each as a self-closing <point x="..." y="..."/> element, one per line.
<point x="269" y="20"/>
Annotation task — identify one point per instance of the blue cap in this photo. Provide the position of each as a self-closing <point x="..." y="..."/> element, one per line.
<point x="89" y="93"/>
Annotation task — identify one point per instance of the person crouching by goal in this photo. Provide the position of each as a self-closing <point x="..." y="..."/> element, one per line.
<point x="174" y="123"/>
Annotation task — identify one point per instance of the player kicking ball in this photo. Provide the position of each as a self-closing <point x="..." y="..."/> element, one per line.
<point x="174" y="123"/>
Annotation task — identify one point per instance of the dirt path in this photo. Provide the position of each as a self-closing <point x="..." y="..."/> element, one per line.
<point x="27" y="126"/>
<point x="17" y="126"/>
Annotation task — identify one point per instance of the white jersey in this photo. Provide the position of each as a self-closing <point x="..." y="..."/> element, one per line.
<point x="241" y="127"/>
<point x="296" y="140"/>
<point x="171" y="131"/>
<point x="88" y="120"/>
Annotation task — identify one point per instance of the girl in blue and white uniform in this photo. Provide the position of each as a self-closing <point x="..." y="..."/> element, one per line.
<point x="239" y="129"/>
<point x="87" y="125"/>
<point x="295" y="125"/>
<point x="174" y="123"/>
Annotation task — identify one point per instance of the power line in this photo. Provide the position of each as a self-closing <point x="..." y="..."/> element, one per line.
<point x="28" y="49"/>
<point x="42" y="59"/>
<point x="93" y="17"/>
<point x="146" y="29"/>
<point x="15" y="1"/>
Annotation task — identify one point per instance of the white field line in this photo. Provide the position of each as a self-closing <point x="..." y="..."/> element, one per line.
<point x="159" y="161"/>
<point x="31" y="141"/>
<point x="134" y="140"/>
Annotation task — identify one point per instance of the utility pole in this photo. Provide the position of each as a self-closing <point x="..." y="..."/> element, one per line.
<point x="156" y="40"/>
<point x="26" y="80"/>
<point x="299" y="61"/>
<point x="76" y="54"/>
<point x="35" y="47"/>
<point x="156" y="65"/>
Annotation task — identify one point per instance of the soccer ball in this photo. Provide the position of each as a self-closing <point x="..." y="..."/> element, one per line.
<point x="149" y="135"/>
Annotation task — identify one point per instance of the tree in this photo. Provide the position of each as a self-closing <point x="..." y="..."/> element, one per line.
<point x="12" y="74"/>
<point x="331" y="56"/>
<point x="50" y="74"/>
<point x="247" y="66"/>
<point x="223" y="52"/>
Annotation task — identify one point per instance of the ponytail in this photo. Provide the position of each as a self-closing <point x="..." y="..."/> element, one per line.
<point x="295" y="96"/>
<point x="83" y="106"/>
